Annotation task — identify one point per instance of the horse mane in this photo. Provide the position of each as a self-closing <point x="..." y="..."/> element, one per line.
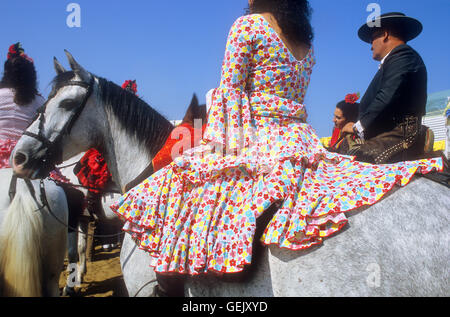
<point x="137" y="117"/>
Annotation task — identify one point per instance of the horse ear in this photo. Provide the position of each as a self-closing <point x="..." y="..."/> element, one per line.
<point x="77" y="67"/>
<point x="58" y="67"/>
<point x="72" y="62"/>
<point x="194" y="101"/>
<point x="191" y="112"/>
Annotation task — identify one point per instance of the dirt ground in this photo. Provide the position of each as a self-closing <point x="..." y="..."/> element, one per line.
<point x="103" y="277"/>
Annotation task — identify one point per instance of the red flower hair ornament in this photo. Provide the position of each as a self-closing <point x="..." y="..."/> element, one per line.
<point x="131" y="86"/>
<point x="352" y="98"/>
<point x="16" y="50"/>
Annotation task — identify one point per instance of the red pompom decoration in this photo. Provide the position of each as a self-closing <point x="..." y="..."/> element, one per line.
<point x="94" y="172"/>
<point x="130" y="85"/>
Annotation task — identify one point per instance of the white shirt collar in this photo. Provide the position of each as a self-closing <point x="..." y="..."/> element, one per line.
<point x="384" y="58"/>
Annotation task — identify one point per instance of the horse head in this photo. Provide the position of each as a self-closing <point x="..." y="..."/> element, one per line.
<point x="44" y="143"/>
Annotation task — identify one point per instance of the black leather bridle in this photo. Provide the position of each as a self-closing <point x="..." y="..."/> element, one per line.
<point x="53" y="149"/>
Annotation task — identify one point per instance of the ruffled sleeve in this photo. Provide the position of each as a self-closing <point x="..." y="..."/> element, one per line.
<point x="229" y="114"/>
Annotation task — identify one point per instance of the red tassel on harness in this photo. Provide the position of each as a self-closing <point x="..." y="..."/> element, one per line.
<point x="94" y="172"/>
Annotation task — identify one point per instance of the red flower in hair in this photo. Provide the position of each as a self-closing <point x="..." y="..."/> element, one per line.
<point x="12" y="49"/>
<point x="16" y="50"/>
<point x="352" y="98"/>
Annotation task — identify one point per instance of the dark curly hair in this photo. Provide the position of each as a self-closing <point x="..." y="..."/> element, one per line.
<point x="20" y="75"/>
<point x="350" y="111"/>
<point x="293" y="17"/>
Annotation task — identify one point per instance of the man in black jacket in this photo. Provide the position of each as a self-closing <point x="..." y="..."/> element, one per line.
<point x="392" y="108"/>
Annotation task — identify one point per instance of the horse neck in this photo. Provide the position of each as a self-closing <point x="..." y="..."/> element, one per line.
<point x="126" y="155"/>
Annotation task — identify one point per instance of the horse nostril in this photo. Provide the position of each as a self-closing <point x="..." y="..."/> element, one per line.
<point x="19" y="158"/>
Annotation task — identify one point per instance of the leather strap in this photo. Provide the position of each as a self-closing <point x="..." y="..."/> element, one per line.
<point x="12" y="187"/>
<point x="147" y="172"/>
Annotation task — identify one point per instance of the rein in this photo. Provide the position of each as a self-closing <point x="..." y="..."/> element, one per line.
<point x="59" y="183"/>
<point x="44" y="204"/>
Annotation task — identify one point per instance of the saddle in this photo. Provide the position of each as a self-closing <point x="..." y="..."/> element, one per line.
<point x="408" y="141"/>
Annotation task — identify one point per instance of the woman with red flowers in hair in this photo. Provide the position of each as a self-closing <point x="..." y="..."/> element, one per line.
<point x="19" y="100"/>
<point x="346" y="111"/>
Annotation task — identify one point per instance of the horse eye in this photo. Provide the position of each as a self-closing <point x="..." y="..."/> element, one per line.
<point x="68" y="104"/>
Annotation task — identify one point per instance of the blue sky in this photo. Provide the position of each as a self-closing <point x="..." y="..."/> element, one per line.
<point x="175" y="48"/>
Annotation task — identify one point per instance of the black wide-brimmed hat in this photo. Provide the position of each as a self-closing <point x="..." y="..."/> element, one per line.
<point x="408" y="27"/>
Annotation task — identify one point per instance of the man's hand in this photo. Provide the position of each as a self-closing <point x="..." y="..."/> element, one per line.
<point x="348" y="128"/>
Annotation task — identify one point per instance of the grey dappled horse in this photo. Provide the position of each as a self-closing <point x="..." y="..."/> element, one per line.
<point x="398" y="247"/>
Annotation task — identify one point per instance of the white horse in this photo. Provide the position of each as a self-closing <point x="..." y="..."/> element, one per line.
<point x="32" y="239"/>
<point x="398" y="247"/>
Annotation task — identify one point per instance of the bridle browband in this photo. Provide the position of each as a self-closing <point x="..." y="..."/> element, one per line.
<point x="53" y="152"/>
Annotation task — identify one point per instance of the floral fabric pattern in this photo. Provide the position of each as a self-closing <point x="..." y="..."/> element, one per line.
<point x="6" y="148"/>
<point x="199" y="213"/>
